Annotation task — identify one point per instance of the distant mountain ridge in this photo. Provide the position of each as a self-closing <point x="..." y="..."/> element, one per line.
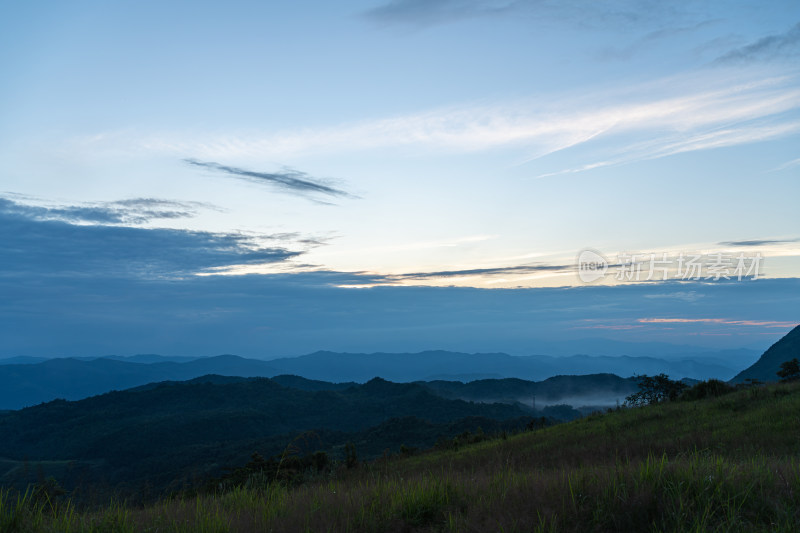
<point x="72" y="379"/>
<point x="29" y="383"/>
<point x="765" y="369"/>
<point x="137" y="358"/>
<point x="23" y="385"/>
<point x="443" y="365"/>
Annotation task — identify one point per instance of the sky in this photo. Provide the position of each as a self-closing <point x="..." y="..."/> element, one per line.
<point x="265" y="178"/>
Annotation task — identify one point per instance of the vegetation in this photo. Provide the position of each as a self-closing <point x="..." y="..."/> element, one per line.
<point x="711" y="388"/>
<point x="790" y="370"/>
<point x="655" y="389"/>
<point x="142" y="444"/>
<point x="727" y="462"/>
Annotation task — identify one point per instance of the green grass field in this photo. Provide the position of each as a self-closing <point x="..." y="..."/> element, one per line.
<point x="730" y="463"/>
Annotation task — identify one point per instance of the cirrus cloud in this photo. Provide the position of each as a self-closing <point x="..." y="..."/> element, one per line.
<point x="288" y="180"/>
<point x="654" y="120"/>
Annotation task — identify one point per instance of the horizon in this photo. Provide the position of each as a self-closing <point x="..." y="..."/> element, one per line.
<point x="684" y="349"/>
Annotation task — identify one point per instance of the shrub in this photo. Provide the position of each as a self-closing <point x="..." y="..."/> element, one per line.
<point x="320" y="461"/>
<point x="707" y="389"/>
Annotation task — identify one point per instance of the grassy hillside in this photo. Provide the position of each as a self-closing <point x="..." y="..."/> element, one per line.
<point x="730" y="463"/>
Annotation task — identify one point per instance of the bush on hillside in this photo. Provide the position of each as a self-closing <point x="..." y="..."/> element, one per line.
<point x="711" y="388"/>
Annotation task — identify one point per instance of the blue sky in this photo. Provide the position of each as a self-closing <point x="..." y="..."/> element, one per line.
<point x="397" y="157"/>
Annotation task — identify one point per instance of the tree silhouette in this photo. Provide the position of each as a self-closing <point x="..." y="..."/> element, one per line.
<point x="790" y="370"/>
<point x="655" y="389"/>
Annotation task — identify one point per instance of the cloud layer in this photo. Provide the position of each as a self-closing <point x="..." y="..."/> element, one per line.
<point x="292" y="314"/>
<point x="42" y="241"/>
<point x="93" y="289"/>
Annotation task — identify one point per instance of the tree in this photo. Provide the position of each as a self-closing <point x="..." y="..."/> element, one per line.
<point x="790" y="370"/>
<point x="655" y="389"/>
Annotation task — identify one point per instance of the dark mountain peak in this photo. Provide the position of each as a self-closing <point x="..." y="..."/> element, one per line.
<point x="792" y="335"/>
<point x="786" y="349"/>
<point x="214" y="379"/>
<point x="377" y="383"/>
<point x="293" y="381"/>
<point x="381" y="386"/>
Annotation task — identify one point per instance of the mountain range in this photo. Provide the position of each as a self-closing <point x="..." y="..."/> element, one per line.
<point x="28" y="381"/>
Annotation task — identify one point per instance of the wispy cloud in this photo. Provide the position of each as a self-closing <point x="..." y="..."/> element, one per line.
<point x="131" y="211"/>
<point x="510" y="270"/>
<point x="725" y="321"/>
<point x="686" y="296"/>
<point x="598" y="13"/>
<point x="715" y="119"/>
<point x="783" y="45"/>
<point x="431" y="12"/>
<point x="289" y="180"/>
<point x="788" y="164"/>
<point x="667" y="146"/>
<point x="649" y="40"/>
<point x="613" y="327"/>
<point x="654" y="120"/>
<point x="759" y="242"/>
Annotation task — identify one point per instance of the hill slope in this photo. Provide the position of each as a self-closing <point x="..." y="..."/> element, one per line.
<point x="786" y="349"/>
<point x="725" y="464"/>
<point x="166" y="433"/>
